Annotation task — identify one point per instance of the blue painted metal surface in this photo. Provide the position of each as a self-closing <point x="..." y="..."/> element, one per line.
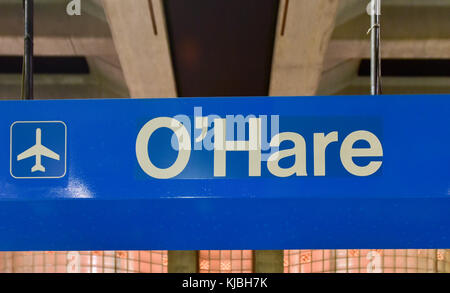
<point x="105" y="201"/>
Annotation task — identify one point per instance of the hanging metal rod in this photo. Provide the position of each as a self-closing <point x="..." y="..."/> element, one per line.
<point x="27" y="69"/>
<point x="374" y="9"/>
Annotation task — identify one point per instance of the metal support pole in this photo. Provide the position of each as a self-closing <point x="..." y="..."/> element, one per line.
<point x="375" y="12"/>
<point x="27" y="70"/>
<point x="268" y="261"/>
<point x="183" y="261"/>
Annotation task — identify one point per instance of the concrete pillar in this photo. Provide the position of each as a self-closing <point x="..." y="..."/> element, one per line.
<point x="139" y="32"/>
<point x="303" y="32"/>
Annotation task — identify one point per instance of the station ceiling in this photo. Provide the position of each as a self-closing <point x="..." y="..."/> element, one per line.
<point x="176" y="48"/>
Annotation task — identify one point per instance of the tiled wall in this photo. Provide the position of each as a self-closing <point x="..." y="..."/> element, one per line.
<point x="84" y="262"/>
<point x="367" y="261"/>
<point x="225" y="261"/>
<point x="230" y="261"/>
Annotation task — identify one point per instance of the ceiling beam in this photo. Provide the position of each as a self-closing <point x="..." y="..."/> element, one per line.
<point x="358" y="49"/>
<point x="139" y="33"/>
<point x="51" y="86"/>
<point x="402" y="37"/>
<point x="56" y="33"/>
<point x="109" y="77"/>
<point x="399" y="85"/>
<point x="349" y="9"/>
<point x="338" y="77"/>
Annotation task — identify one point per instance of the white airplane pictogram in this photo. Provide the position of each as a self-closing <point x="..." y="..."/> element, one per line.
<point x="38" y="150"/>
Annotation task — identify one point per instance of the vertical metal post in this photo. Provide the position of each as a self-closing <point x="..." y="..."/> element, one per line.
<point x="183" y="261"/>
<point x="268" y="261"/>
<point x="375" y="11"/>
<point x="27" y="70"/>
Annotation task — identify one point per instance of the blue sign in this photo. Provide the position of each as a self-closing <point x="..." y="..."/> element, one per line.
<point x="225" y="173"/>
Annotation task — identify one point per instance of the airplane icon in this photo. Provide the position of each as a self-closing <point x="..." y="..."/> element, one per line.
<point x="38" y="150"/>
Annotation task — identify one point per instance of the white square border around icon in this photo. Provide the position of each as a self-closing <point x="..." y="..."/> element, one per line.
<point x="65" y="150"/>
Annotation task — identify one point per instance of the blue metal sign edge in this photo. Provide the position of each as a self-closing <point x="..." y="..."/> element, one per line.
<point x="404" y="216"/>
